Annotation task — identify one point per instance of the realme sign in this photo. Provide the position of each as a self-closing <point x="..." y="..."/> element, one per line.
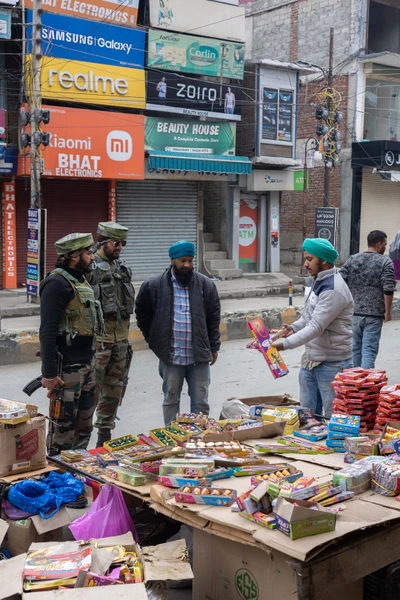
<point x="75" y="81"/>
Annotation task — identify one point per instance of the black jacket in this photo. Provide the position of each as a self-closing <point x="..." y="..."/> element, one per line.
<point x="155" y="311"/>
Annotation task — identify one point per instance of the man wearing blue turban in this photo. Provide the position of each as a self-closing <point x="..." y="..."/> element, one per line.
<point x="179" y="313"/>
<point x="325" y="327"/>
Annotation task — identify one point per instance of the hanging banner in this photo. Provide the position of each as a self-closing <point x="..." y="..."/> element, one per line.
<point x="91" y="144"/>
<point x="90" y="83"/>
<point x="200" y="56"/>
<point x="108" y="11"/>
<point x="173" y="135"/>
<point x="9" y="236"/>
<point x="202" y="17"/>
<point x="174" y="93"/>
<point x="65" y="37"/>
<point x="248" y="226"/>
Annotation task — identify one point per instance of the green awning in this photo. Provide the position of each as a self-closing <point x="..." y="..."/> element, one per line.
<point x="214" y="163"/>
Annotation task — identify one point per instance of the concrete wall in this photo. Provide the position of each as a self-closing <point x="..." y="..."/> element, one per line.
<point x="384" y="30"/>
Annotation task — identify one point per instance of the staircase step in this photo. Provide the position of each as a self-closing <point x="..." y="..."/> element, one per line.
<point x="208" y="237"/>
<point x="228" y="273"/>
<point x="220" y="264"/>
<point x="217" y="255"/>
<point x="211" y="246"/>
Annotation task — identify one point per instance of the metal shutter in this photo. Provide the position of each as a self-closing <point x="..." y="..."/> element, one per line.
<point x="72" y="206"/>
<point x="380" y="207"/>
<point x="158" y="214"/>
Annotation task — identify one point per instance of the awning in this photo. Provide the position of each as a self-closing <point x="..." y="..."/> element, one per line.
<point x="214" y="163"/>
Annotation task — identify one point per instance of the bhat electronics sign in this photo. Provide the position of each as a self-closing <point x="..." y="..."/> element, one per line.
<point x="170" y="92"/>
<point x="214" y="19"/>
<point x="66" y="37"/>
<point x="196" y="137"/>
<point x="86" y="145"/>
<point x="199" y="56"/>
<point x="90" y="83"/>
<point x="108" y="11"/>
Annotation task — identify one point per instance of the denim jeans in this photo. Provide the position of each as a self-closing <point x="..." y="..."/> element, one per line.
<point x="198" y="380"/>
<point x="366" y="337"/>
<point x="316" y="391"/>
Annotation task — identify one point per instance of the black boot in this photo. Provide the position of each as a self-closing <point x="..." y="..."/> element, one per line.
<point x="103" y="436"/>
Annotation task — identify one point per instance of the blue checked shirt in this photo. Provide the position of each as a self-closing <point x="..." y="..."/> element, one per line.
<point x="182" y="347"/>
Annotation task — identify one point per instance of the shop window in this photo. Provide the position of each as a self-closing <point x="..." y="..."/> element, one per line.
<point x="382" y="105"/>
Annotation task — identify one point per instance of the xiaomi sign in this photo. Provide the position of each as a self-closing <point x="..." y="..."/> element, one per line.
<point x="91" y="144"/>
<point x="75" y="81"/>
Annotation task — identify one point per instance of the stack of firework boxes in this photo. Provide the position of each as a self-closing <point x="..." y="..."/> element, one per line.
<point x="341" y="427"/>
<point x="357" y="393"/>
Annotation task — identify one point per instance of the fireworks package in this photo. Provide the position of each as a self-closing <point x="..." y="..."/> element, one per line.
<point x="263" y="341"/>
<point x="357" y="392"/>
<point x="388" y="408"/>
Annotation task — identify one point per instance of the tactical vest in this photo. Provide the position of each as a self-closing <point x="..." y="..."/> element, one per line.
<point x="112" y="286"/>
<point x="82" y="315"/>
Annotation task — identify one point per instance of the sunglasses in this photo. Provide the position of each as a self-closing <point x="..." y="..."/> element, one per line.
<point x="117" y="243"/>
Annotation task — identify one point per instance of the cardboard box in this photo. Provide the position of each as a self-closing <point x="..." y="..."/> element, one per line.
<point x="270" y="401"/>
<point x="166" y="562"/>
<point x="269" y="430"/>
<point x="227" y="570"/>
<point x="23" y="447"/>
<point x="297" y="519"/>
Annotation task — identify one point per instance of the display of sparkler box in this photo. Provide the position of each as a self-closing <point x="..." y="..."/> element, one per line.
<point x="125" y="441"/>
<point x="13" y="413"/>
<point x="106" y="459"/>
<point x="313" y="435"/>
<point x="179" y="481"/>
<point x="288" y="489"/>
<point x="390" y="434"/>
<point x="336" y="444"/>
<point x="288" y="473"/>
<point x="300" y="518"/>
<point x="161" y="436"/>
<point x="261" y="519"/>
<point x="209" y="496"/>
<point x="259" y="470"/>
<point x="196" y="418"/>
<point x="289" y="415"/>
<point x="272" y="356"/>
<point x="345" y="423"/>
<point x="184" y="468"/>
<point x="305" y="493"/>
<point x="190" y="428"/>
<point x="360" y="445"/>
<point x="177" y="433"/>
<point x="125" y="476"/>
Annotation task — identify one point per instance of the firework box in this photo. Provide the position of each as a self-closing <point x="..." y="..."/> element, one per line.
<point x="345" y="423"/>
<point x="23" y="447"/>
<point x="301" y="518"/>
<point x="189" y="497"/>
<point x="272" y="357"/>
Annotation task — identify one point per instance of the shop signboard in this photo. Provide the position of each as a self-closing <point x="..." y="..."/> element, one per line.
<point x="106" y="11"/>
<point x="277" y="115"/>
<point x="32" y="267"/>
<point x="90" y="83"/>
<point x="202" y="17"/>
<point x="71" y="38"/>
<point x="173" y="93"/>
<point x="185" y="175"/>
<point x="196" y="55"/>
<point x="5" y="24"/>
<point x="8" y="164"/>
<point x="248" y="226"/>
<point x="9" y="236"/>
<point x="196" y="137"/>
<point x="268" y="180"/>
<point x="86" y="145"/>
<point x="326" y="223"/>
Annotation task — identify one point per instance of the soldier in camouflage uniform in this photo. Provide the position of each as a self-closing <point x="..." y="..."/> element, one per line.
<point x="70" y="320"/>
<point x="111" y="282"/>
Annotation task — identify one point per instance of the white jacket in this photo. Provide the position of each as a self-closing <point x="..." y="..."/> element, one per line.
<point x="326" y="325"/>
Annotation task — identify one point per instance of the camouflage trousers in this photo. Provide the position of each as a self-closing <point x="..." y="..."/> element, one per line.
<point x="110" y="369"/>
<point x="74" y="427"/>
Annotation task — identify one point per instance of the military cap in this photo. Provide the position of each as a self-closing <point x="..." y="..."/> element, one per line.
<point x="112" y="230"/>
<point x="73" y="242"/>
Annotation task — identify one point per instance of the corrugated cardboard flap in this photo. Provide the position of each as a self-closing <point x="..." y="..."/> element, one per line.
<point x="3" y="530"/>
<point x="60" y="519"/>
<point x="135" y="591"/>
<point x="167" y="562"/>
<point x="11" y="576"/>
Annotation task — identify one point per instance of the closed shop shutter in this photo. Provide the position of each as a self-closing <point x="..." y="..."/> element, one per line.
<point x="72" y="206"/>
<point x="380" y="207"/>
<point x="158" y="214"/>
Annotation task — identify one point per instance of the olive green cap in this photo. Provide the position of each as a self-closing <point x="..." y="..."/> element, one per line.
<point x="73" y="242"/>
<point x="112" y="230"/>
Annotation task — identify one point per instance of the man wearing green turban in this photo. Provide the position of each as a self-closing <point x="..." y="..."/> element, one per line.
<point x="325" y="327"/>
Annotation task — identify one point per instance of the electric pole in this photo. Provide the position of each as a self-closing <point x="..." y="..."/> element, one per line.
<point x="35" y="105"/>
<point x="329" y="107"/>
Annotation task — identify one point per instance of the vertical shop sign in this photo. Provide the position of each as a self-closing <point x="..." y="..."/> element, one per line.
<point x="269" y="114"/>
<point x="32" y="269"/>
<point x="112" y="200"/>
<point x="285" y="133"/>
<point x="9" y="236"/>
<point x="248" y="226"/>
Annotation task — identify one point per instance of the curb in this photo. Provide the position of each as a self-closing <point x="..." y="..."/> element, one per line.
<point x="17" y="347"/>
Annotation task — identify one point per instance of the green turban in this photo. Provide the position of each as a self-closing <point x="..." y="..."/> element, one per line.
<point x="321" y="249"/>
<point x="73" y="242"/>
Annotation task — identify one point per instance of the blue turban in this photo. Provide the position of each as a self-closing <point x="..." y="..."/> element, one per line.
<point x="182" y="248"/>
<point x="321" y="249"/>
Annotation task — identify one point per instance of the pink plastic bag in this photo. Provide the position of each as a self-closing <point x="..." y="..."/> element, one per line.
<point x="108" y="516"/>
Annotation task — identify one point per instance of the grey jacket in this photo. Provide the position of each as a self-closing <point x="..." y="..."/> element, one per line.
<point x="326" y="325"/>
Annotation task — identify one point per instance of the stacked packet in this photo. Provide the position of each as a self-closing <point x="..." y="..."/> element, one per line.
<point x="341" y="427"/>
<point x="357" y="393"/>
<point x="388" y="407"/>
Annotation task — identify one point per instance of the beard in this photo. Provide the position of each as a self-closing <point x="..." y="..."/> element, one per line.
<point x="83" y="267"/>
<point x="184" y="276"/>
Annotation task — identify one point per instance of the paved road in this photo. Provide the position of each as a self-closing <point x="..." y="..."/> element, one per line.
<point x="238" y="372"/>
